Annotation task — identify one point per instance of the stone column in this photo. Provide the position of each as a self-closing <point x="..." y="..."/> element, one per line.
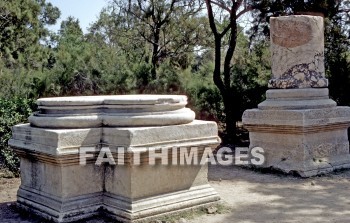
<point x="299" y="127"/>
<point x="297" y="45"/>
<point x="59" y="184"/>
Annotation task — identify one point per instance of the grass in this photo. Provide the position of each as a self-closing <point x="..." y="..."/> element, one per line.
<point x="6" y="173"/>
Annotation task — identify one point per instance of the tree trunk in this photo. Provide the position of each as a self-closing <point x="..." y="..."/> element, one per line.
<point x="224" y="83"/>
<point x="155" y="52"/>
<point x="228" y="94"/>
<point x="230" y="121"/>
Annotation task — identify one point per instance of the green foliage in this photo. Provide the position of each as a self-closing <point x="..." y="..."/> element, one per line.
<point x="85" y="67"/>
<point x="168" y="80"/>
<point x="157" y="47"/>
<point x="286" y="7"/>
<point x="158" y="30"/>
<point x="337" y="48"/>
<point x="22" y="26"/>
<point x="12" y="112"/>
<point x="143" y="76"/>
<point x="251" y="72"/>
<point x="208" y="102"/>
<point x="21" y="82"/>
<point x="204" y="96"/>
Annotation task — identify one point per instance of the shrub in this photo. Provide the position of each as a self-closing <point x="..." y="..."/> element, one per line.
<point x="12" y="112"/>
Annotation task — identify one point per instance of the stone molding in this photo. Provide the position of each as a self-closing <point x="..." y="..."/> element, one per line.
<point x="62" y="183"/>
<point x="111" y="111"/>
<point x="298" y="130"/>
<point x="126" y="158"/>
<point x="56" y="142"/>
<point x="114" y="206"/>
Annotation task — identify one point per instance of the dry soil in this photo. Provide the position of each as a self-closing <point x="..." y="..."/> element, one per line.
<point x="250" y="196"/>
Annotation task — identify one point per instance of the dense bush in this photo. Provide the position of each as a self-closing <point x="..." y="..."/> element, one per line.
<point x="12" y="112"/>
<point x="204" y="96"/>
<point x="123" y="54"/>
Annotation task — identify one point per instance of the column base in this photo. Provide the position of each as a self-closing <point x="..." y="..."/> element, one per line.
<point x="115" y="207"/>
<point x="147" y="209"/>
<point x="57" y="186"/>
<point x="302" y="139"/>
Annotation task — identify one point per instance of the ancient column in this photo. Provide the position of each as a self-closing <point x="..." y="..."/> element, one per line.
<point x="299" y="127"/>
<point x="65" y="178"/>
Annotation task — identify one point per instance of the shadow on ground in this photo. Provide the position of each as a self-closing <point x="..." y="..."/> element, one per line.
<point x="252" y="197"/>
<point x="265" y="197"/>
<point x="9" y="213"/>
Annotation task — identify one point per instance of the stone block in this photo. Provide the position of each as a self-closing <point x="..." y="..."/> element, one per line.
<point x="298" y="126"/>
<point x="57" y="185"/>
<point x="305" y="141"/>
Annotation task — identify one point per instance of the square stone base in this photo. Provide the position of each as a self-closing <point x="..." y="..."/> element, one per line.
<point x="305" y="141"/>
<point x="57" y="187"/>
<point x="126" y="194"/>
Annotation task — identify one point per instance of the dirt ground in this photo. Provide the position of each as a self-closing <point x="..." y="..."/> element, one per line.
<point x="251" y="197"/>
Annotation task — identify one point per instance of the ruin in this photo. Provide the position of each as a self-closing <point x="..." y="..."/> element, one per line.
<point x="57" y="185"/>
<point x="299" y="127"/>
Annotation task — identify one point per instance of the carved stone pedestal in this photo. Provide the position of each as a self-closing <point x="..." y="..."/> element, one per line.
<point x="62" y="180"/>
<point x="303" y="132"/>
<point x="298" y="126"/>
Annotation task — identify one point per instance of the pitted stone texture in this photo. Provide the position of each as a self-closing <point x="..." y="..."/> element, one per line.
<point x="298" y="126"/>
<point x="302" y="119"/>
<point x="307" y="154"/>
<point x="56" y="186"/>
<point x="112" y="111"/>
<point x="290" y="33"/>
<point x="297" y="45"/>
<point x="306" y="141"/>
<point x="56" y="142"/>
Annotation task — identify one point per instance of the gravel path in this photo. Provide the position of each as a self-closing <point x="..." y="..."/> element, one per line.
<point x="251" y="197"/>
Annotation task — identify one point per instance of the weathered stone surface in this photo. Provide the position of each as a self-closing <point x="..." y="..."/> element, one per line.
<point x="298" y="94"/>
<point x="300" y="139"/>
<point x="112" y="111"/>
<point x="290" y="33"/>
<point x="305" y="153"/>
<point x="305" y="119"/>
<point x="306" y="98"/>
<point x="300" y="129"/>
<point x="54" y="141"/>
<point x="128" y="100"/>
<point x="58" y="142"/>
<point x="56" y="186"/>
<point x="297" y="52"/>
